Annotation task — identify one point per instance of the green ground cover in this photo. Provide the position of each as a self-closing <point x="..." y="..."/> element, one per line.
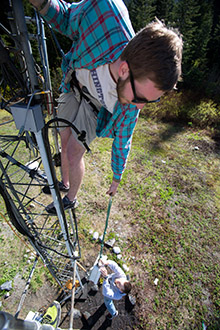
<point x="165" y="218"/>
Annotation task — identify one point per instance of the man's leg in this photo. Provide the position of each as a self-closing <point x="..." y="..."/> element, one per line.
<point x="65" y="135"/>
<point x="75" y="153"/>
<point x="110" y="306"/>
<point x="72" y="151"/>
<point x="73" y="169"/>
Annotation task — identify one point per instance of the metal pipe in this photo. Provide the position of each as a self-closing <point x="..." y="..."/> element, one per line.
<point x="73" y="296"/>
<point x="26" y="288"/>
<point x="56" y="197"/>
<point x="18" y="12"/>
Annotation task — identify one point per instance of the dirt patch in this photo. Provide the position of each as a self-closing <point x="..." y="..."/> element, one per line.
<point x="33" y="301"/>
<point x="93" y="312"/>
<point x="88" y="301"/>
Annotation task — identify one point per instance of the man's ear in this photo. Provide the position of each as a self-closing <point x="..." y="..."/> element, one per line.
<point x="123" y="70"/>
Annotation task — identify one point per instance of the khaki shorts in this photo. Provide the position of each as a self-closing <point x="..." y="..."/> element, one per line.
<point x="80" y="114"/>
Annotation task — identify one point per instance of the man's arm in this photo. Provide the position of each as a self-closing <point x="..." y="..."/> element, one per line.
<point x="59" y="14"/>
<point x="115" y="267"/>
<point x="121" y="145"/>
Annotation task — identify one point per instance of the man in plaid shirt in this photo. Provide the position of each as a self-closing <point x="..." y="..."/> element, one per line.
<point x="117" y="70"/>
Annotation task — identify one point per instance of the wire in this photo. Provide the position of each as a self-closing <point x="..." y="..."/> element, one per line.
<point x="106" y="225"/>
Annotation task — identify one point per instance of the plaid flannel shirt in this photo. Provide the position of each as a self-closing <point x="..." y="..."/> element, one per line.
<point x="99" y="29"/>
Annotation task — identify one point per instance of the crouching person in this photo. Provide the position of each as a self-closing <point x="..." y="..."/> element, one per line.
<point x="114" y="287"/>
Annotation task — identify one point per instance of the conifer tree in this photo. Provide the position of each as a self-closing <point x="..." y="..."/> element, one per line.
<point x="164" y="10"/>
<point x="141" y="12"/>
<point x="194" y="19"/>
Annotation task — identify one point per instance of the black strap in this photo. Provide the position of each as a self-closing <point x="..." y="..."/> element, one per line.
<point x="74" y="83"/>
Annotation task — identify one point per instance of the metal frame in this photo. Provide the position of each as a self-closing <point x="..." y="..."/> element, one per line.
<point x="28" y="126"/>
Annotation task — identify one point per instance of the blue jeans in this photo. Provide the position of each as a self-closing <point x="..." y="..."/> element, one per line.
<point x="110" y="305"/>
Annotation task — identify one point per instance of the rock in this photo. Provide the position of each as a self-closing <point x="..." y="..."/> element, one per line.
<point x="32" y="165"/>
<point x="116" y="250"/>
<point x="90" y="232"/>
<point x="110" y="243"/>
<point x="132" y="299"/>
<point x="100" y="238"/>
<point x="32" y="205"/>
<point x="156" y="281"/>
<point x="125" y="267"/>
<point x="95" y="236"/>
<point x="95" y="288"/>
<point x="86" y="315"/>
<point x="6" y="286"/>
<point x="0" y="304"/>
<point x="6" y="295"/>
<point x="76" y="313"/>
<point x="119" y="256"/>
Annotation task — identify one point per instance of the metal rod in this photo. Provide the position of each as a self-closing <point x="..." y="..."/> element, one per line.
<point x="18" y="11"/>
<point x="106" y="225"/>
<point x="73" y="296"/>
<point x="56" y="197"/>
<point x="26" y="288"/>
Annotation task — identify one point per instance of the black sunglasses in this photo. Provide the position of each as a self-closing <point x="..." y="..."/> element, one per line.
<point x="137" y="99"/>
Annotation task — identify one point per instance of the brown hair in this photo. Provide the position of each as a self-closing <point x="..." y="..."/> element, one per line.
<point x="155" y="53"/>
<point x="127" y="287"/>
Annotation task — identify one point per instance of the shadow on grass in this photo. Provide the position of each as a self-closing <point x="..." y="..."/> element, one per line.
<point x="175" y="128"/>
<point x="172" y="129"/>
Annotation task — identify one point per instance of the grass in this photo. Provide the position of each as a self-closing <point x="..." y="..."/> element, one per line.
<point x="176" y="218"/>
<point x="169" y="196"/>
<point x="15" y="260"/>
<point x="165" y="218"/>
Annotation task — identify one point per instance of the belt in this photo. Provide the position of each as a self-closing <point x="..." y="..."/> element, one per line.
<point x="74" y="83"/>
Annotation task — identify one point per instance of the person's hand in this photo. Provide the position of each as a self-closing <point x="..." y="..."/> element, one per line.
<point x="113" y="188"/>
<point x="103" y="271"/>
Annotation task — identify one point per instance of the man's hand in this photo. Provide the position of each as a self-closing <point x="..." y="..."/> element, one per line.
<point x="103" y="271"/>
<point x="113" y="188"/>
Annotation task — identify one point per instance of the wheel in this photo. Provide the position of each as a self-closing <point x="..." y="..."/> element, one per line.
<point x="21" y="181"/>
<point x="22" y="174"/>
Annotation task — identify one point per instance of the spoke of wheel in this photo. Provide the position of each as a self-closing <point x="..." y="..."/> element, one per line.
<point x="27" y="203"/>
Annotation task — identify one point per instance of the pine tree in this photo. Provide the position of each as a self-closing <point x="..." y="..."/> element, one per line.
<point x="194" y="18"/>
<point x="164" y="10"/>
<point x="141" y="12"/>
